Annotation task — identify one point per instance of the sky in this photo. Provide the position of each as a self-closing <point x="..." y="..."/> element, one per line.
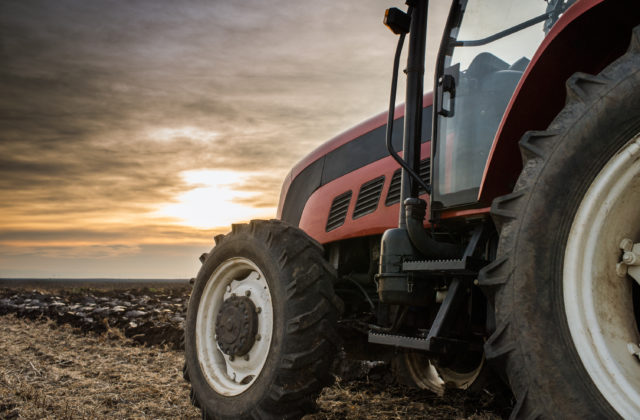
<point x="133" y="132"/>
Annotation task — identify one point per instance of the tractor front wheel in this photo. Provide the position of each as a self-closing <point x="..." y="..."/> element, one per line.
<point x="260" y="329"/>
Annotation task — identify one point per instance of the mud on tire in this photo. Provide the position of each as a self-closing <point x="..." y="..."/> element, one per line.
<point x="293" y="366"/>
<point x="537" y="342"/>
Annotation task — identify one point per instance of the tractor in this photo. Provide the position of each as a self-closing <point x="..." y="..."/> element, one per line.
<point x="490" y="227"/>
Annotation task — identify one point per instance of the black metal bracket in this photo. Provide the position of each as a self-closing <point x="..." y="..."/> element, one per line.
<point x="433" y="343"/>
<point x="446" y="84"/>
<point x="448" y="309"/>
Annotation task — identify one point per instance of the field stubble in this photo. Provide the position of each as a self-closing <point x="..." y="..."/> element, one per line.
<point x="72" y="355"/>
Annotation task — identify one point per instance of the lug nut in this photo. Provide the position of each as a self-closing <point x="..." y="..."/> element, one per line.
<point x="232" y="358"/>
<point x="629" y="258"/>
<point x="247" y="293"/>
<point x="258" y="337"/>
<point x="246" y="357"/>
<point x="626" y="244"/>
<point x="621" y="269"/>
<point x="258" y="310"/>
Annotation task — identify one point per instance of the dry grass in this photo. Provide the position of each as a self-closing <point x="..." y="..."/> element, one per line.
<point x="376" y="401"/>
<point x="49" y="372"/>
<point x="53" y="371"/>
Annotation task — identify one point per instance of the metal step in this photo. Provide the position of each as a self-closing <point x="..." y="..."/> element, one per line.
<point x="434" y="344"/>
<point x="467" y="266"/>
<point x="399" y="341"/>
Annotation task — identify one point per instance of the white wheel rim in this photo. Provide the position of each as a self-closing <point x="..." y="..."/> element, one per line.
<point x="460" y="380"/>
<point x="427" y="375"/>
<point x="227" y="375"/>
<point x="598" y="303"/>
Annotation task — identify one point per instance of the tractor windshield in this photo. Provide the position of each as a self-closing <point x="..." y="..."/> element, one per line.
<point x="486" y="48"/>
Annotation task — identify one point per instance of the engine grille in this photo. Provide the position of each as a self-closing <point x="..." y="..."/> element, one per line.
<point x="338" y="211"/>
<point x="425" y="173"/>
<point x="393" y="194"/>
<point x="368" y="197"/>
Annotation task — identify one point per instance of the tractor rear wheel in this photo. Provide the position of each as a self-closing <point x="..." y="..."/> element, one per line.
<point x="567" y="310"/>
<point x="260" y="329"/>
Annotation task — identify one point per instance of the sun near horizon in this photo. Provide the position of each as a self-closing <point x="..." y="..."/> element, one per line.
<point x="215" y="200"/>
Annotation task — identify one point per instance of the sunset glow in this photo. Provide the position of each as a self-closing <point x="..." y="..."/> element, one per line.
<point x="212" y="200"/>
<point x="133" y="132"/>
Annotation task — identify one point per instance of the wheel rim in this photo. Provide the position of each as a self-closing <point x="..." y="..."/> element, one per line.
<point x="460" y="378"/>
<point x="598" y="303"/>
<point x="423" y="373"/>
<point x="231" y="375"/>
<point x="428" y="375"/>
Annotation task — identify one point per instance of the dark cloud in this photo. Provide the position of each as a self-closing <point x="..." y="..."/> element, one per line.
<point x="88" y="87"/>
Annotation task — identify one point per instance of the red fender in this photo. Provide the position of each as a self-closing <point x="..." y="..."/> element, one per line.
<point x="589" y="36"/>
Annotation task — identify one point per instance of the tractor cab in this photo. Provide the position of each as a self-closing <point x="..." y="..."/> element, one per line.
<point x="485" y="50"/>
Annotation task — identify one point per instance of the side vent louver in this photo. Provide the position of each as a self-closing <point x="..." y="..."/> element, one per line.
<point x="425" y="173"/>
<point x="368" y="197"/>
<point x="338" y="212"/>
<point x="393" y="195"/>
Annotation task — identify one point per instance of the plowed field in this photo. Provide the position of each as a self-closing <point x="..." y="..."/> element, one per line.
<point x="104" y="355"/>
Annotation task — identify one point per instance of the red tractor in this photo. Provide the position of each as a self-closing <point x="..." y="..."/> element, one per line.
<point x="506" y="235"/>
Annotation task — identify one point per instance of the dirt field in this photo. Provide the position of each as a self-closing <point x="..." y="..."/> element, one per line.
<point x="51" y="372"/>
<point x="59" y="360"/>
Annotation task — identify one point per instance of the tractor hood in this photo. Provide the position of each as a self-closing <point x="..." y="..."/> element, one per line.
<point x="359" y="146"/>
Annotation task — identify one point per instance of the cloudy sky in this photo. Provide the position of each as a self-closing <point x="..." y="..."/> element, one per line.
<point x="133" y="132"/>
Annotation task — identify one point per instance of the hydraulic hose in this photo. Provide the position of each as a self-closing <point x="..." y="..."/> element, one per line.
<point x="391" y="116"/>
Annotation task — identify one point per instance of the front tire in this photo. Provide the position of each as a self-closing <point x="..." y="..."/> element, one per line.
<point x="564" y="318"/>
<point x="260" y="329"/>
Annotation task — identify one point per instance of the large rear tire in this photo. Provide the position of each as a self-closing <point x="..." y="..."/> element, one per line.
<point x="565" y="320"/>
<point x="260" y="329"/>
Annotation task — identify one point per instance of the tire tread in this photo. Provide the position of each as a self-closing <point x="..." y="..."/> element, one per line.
<point x="311" y="337"/>
<point x="503" y="349"/>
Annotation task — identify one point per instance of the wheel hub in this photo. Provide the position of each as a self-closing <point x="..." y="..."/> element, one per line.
<point x="236" y="326"/>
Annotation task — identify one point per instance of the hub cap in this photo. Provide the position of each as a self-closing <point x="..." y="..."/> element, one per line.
<point x="598" y="302"/>
<point x="234" y="326"/>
